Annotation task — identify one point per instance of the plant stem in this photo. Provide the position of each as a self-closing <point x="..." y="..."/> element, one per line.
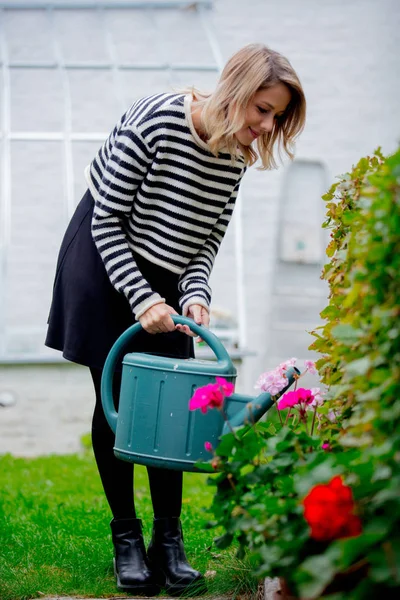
<point x="301" y="374"/>
<point x="276" y="405"/>
<point x="229" y="477"/>
<point x="391" y="559"/>
<point x="296" y="378"/>
<point x="303" y="417"/>
<point x="313" y="420"/>
<point x="287" y="417"/>
<point x="228" y="423"/>
<point x="250" y="409"/>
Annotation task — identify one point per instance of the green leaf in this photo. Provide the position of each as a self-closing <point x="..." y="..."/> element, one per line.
<point x="226" y="444"/>
<point x="349" y="218"/>
<point x="204" y="467"/>
<point x="330" y="312"/>
<point x="352" y="548"/>
<point x="346" y="333"/>
<point x="382" y="472"/>
<point x="380" y="570"/>
<point x="317" y="572"/>
<point x="251" y="446"/>
<point x="360" y="366"/>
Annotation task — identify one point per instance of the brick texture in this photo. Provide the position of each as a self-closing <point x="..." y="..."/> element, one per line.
<point x="346" y="53"/>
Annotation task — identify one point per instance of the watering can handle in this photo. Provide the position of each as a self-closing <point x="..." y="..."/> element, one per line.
<point x="118" y="350"/>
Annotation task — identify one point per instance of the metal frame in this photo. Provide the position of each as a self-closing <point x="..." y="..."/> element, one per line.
<point x="242" y="325"/>
<point x="73" y="4"/>
<point x="5" y="197"/>
<point x="108" y="66"/>
<point x="69" y="168"/>
<point x="67" y="136"/>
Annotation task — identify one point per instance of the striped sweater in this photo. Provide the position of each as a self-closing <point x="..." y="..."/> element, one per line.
<point x="159" y="192"/>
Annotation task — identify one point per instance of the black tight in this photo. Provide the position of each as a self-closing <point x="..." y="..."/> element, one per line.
<point x="117" y="475"/>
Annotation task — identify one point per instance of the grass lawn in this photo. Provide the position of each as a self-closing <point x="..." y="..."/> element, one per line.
<point x="55" y="536"/>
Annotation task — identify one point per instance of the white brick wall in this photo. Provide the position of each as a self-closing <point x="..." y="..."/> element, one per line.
<point x="346" y="53"/>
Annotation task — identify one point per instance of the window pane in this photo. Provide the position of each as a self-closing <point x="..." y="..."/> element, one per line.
<point x="94" y="102"/>
<point x="80" y="34"/>
<point x="28" y="35"/>
<point x="135" y="37"/>
<point x="182" y="37"/>
<point x="223" y="285"/>
<point x="137" y="84"/>
<point x="83" y="154"/>
<point x="202" y="80"/>
<point x="37" y="100"/>
<point x="38" y="219"/>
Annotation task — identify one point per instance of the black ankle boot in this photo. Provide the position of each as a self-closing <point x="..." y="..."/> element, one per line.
<point x="168" y="561"/>
<point x="131" y="566"/>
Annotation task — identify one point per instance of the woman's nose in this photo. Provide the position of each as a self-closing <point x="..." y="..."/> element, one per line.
<point x="267" y="123"/>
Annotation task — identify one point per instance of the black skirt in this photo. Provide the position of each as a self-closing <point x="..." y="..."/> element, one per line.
<point x="87" y="314"/>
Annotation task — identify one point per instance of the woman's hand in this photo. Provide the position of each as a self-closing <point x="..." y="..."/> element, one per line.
<point x="157" y="319"/>
<point x="200" y="315"/>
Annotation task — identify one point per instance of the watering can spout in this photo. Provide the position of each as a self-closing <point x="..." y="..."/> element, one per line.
<point x="255" y="408"/>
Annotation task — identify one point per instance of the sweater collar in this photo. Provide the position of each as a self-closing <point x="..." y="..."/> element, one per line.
<point x="188" y="114"/>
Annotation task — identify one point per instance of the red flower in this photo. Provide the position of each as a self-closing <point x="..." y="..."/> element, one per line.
<point x="328" y="509"/>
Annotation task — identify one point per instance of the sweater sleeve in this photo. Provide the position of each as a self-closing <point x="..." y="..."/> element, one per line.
<point x="126" y="167"/>
<point x="193" y="283"/>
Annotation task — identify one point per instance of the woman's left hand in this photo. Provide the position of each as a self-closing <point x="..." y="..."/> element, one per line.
<point x="200" y="315"/>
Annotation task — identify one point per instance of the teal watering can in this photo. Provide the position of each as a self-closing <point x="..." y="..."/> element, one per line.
<point x="154" y="425"/>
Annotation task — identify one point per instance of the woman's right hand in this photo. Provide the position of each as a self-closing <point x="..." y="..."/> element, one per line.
<point x="157" y="319"/>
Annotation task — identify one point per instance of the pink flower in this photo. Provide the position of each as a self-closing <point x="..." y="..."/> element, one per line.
<point x="284" y="366"/>
<point x="302" y="397"/>
<point x="211" y="395"/>
<point x="331" y="416"/>
<point x="305" y="396"/>
<point x="227" y="388"/>
<point x="318" y="396"/>
<point x="310" y="366"/>
<point x="208" y="446"/>
<point x="289" y="363"/>
<point x="261" y="381"/>
<point x="207" y="396"/>
<point x="326" y="446"/>
<point x="288" y="400"/>
<point x="272" y="382"/>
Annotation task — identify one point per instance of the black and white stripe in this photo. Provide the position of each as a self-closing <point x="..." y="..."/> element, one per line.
<point x="161" y="193"/>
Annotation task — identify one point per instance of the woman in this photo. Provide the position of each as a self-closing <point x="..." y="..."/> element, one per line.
<point x="141" y="245"/>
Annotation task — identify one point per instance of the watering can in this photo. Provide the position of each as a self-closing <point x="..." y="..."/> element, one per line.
<point x="154" y="426"/>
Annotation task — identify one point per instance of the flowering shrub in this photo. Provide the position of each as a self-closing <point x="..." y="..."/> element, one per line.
<point x="248" y="477"/>
<point x="315" y="496"/>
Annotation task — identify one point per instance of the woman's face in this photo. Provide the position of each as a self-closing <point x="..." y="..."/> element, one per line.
<point x="264" y="107"/>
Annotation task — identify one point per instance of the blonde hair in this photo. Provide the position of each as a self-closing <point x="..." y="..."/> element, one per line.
<point x="253" y="68"/>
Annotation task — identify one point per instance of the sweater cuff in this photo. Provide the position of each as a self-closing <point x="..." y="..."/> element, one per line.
<point x="185" y="305"/>
<point x="141" y="308"/>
